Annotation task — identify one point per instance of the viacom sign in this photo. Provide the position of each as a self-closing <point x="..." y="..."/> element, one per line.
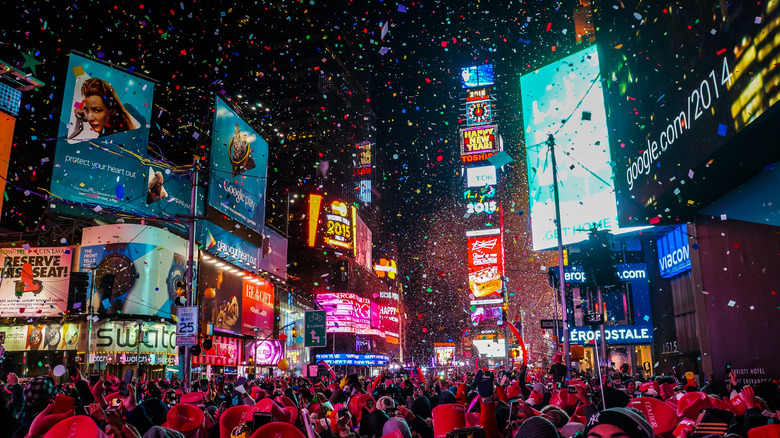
<point x="674" y="254"/>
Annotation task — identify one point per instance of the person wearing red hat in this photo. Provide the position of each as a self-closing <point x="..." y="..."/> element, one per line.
<point x="558" y="369"/>
<point x="187" y="419"/>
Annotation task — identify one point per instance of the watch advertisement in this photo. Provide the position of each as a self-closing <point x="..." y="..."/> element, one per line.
<point x="239" y="161"/>
<point x="43" y="337"/>
<point x="34" y="281"/>
<point x="123" y="336"/>
<point x="147" y="263"/>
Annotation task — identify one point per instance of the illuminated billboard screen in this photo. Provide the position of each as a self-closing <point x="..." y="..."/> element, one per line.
<point x="485" y="315"/>
<point x="479" y="140"/>
<point x="477" y="76"/>
<point x="6" y="140"/>
<point x="490" y="348"/>
<point x="34" y="282"/>
<point x="481" y="176"/>
<point x="147" y="263"/>
<point x="348" y="313"/>
<point x="478" y="113"/>
<point x="485" y="263"/>
<point x="480" y="200"/>
<point x="362" y="161"/>
<point x="677" y="111"/>
<point x="444" y="353"/>
<point x="239" y="162"/>
<point x="332" y="224"/>
<point x="549" y="95"/>
<point x="232" y="299"/>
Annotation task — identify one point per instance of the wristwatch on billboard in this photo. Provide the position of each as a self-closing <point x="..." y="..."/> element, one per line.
<point x="116" y="262"/>
<point x="53" y="336"/>
<point x="34" y="336"/>
<point x="176" y="274"/>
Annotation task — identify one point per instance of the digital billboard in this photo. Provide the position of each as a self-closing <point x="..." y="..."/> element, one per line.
<point x="476" y="140"/>
<point x="445" y="352"/>
<point x="349" y="313"/>
<point x="485" y="264"/>
<point x="233" y="299"/>
<point x="678" y="111"/>
<point x="569" y="87"/>
<point x="101" y="154"/>
<point x="239" y="164"/>
<point x="269" y="352"/>
<point x="477" y="76"/>
<point x="481" y="176"/>
<point x="332" y="224"/>
<point x="147" y="264"/>
<point x="485" y="315"/>
<point x="480" y="200"/>
<point x="363" y="159"/>
<point x="34" y="281"/>
<point x="478" y="113"/>
<point x="36" y="337"/>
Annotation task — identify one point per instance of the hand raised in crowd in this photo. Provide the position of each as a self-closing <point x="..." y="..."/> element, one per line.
<point x="582" y="394"/>
<point x="748" y="396"/>
<point x="46" y="420"/>
<point x="129" y="402"/>
<point x="733" y="378"/>
<point x="12" y="379"/>
<point x="98" y="391"/>
<point x="96" y="411"/>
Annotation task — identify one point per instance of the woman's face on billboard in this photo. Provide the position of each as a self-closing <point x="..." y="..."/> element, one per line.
<point x="98" y="116"/>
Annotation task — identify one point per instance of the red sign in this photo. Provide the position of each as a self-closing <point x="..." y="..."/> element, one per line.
<point x="224" y="351"/>
<point x="257" y="305"/>
<point x="485" y="264"/>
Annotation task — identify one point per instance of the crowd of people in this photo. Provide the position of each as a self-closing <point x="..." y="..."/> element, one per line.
<point x="488" y="403"/>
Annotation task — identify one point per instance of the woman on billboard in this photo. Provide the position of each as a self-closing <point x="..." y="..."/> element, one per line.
<point x="101" y="109"/>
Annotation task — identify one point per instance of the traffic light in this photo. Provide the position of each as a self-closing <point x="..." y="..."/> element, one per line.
<point x="78" y="289"/>
<point x="600" y="269"/>
<point x="341" y="271"/>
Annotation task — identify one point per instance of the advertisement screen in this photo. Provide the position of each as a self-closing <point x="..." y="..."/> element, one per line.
<point x="490" y="348"/>
<point x="122" y="336"/>
<point x="549" y="95"/>
<point x="347" y="313"/>
<point x="485" y="264"/>
<point x="101" y="155"/>
<point x="363" y="244"/>
<point x="41" y="337"/>
<point x="481" y="176"/>
<point x="674" y="254"/>
<point x="362" y="160"/>
<point x="239" y="162"/>
<point x="147" y="264"/>
<point x="444" y="354"/>
<point x="479" y="140"/>
<point x="477" y="76"/>
<point x="35" y="281"/>
<point x="233" y="299"/>
<point x="485" y="315"/>
<point x="269" y="352"/>
<point x="675" y="107"/>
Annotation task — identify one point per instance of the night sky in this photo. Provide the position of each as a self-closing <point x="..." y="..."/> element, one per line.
<point x="194" y="48"/>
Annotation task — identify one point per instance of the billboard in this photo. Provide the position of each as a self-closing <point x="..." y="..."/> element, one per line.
<point x="549" y="95"/>
<point x="477" y="76"/>
<point x="363" y="159"/>
<point x="39" y="337"/>
<point x="122" y="336"/>
<point x="332" y="224"/>
<point x="239" y="164"/>
<point x="485" y="263"/>
<point x="480" y="200"/>
<point x="478" y="113"/>
<point x="479" y="140"/>
<point x="233" y="299"/>
<point x="445" y="352"/>
<point x="349" y="313"/>
<point x="481" y="176"/>
<point x="34" y="281"/>
<point x="353" y="359"/>
<point x="679" y="110"/>
<point x="147" y="263"/>
<point x="364" y="246"/>
<point x="101" y="154"/>
<point x="486" y="315"/>
<point x="269" y="352"/>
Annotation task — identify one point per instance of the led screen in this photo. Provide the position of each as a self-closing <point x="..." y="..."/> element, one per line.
<point x="485" y="264"/>
<point x="477" y="76"/>
<point x="349" y="313"/>
<point x="34" y="282"/>
<point x="147" y="264"/>
<point x="490" y="348"/>
<point x="239" y="161"/>
<point x="479" y="140"/>
<point x="677" y="110"/>
<point x="444" y="354"/>
<point x="569" y="87"/>
<point x="484" y="315"/>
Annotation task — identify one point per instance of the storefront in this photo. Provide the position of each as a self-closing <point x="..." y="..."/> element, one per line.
<point x="31" y="350"/>
<point x="224" y="357"/>
<point x="114" y="348"/>
<point x="629" y="328"/>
